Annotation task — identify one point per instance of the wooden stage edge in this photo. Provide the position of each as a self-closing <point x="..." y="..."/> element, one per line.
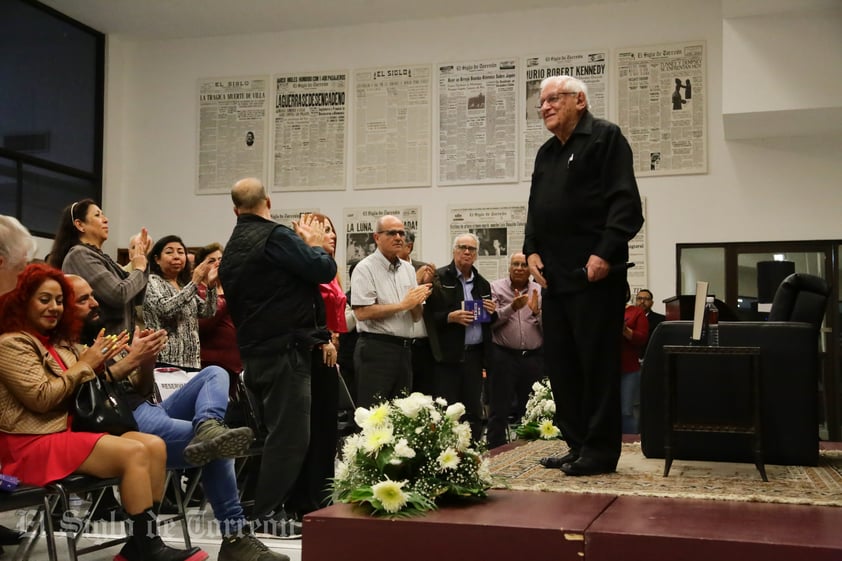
<point x="534" y="525"/>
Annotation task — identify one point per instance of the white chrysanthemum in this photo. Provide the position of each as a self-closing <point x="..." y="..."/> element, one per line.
<point x="351" y="446"/>
<point x="342" y="471"/>
<point x="548" y="430"/>
<point x="463" y="436"/>
<point x="537" y="387"/>
<point x="455" y="411"/>
<point x="548" y="406"/>
<point x="378" y="416"/>
<point x="390" y="494"/>
<point x="403" y="450"/>
<point x="378" y="437"/>
<point x="441" y="401"/>
<point x="361" y="415"/>
<point x="449" y="459"/>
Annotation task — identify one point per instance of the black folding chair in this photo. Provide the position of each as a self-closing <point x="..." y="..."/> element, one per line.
<point x="26" y="496"/>
<point x="75" y="526"/>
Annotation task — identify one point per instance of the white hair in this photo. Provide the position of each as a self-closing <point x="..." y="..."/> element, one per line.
<point x="15" y="242"/>
<point x="465" y="235"/>
<point x="568" y="83"/>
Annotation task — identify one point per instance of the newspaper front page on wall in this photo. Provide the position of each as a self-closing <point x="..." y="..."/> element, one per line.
<point x="477" y="122"/>
<point x="588" y="66"/>
<point x="309" y="125"/>
<point x="499" y="229"/>
<point x="232" y="131"/>
<point x="392" y="137"/>
<point x="662" y="107"/>
<point x="360" y="226"/>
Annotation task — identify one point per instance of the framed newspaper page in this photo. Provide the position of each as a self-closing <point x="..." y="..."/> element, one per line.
<point x="392" y="138"/>
<point x="309" y="131"/>
<point x="662" y="107"/>
<point x="232" y="132"/>
<point x="477" y="117"/>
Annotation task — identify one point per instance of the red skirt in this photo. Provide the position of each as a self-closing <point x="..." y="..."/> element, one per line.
<point x="39" y="459"/>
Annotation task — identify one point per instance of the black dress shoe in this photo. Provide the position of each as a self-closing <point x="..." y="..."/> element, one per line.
<point x="587" y="466"/>
<point x="556" y="462"/>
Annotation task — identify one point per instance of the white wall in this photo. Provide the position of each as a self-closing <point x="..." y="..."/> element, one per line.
<point x="780" y="189"/>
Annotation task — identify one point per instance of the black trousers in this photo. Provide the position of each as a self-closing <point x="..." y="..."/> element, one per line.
<point x="423" y="367"/>
<point x="462" y="381"/>
<point x="510" y="378"/>
<point x="281" y="384"/>
<point x="383" y="370"/>
<point x="582" y="335"/>
<point x="311" y="488"/>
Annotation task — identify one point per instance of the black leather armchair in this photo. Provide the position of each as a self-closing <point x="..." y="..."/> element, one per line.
<point x="708" y="388"/>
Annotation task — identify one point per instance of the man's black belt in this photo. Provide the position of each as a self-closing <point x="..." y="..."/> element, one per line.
<point x="477" y="347"/>
<point x="520" y="352"/>
<point x="393" y="339"/>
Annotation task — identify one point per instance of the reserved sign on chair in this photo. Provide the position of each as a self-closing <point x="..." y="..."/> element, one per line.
<point x="168" y="380"/>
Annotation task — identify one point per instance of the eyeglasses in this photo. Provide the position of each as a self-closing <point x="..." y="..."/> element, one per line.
<point x="642" y="298"/>
<point x="468" y="248"/>
<point x="393" y="233"/>
<point x="519" y="265"/>
<point x="552" y="100"/>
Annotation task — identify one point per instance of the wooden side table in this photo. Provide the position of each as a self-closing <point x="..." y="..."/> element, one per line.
<point x="672" y="354"/>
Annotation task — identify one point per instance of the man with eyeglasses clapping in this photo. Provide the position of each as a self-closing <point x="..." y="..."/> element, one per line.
<point x="387" y="300"/>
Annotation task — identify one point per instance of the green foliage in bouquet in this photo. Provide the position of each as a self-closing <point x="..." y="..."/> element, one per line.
<point x="411" y="451"/>
<point x="537" y="422"/>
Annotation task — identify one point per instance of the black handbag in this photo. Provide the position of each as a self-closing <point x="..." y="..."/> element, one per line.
<point x="101" y="406"/>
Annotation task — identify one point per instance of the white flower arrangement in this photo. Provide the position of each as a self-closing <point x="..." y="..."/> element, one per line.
<point x="537" y="422"/>
<point x="411" y="451"/>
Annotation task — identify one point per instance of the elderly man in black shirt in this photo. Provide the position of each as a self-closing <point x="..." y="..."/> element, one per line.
<point x="584" y="207"/>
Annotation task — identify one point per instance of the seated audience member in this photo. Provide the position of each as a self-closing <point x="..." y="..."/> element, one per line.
<point x="40" y="370"/>
<point x="189" y="421"/>
<point x="635" y="336"/>
<point x="16" y="249"/>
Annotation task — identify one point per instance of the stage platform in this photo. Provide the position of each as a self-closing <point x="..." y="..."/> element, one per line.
<point x="534" y="525"/>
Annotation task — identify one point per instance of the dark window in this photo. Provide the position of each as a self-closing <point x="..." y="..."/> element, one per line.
<point x="51" y="113"/>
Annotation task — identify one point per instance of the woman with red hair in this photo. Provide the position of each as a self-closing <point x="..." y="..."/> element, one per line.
<point x="40" y="369"/>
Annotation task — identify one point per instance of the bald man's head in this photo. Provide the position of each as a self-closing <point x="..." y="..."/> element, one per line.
<point x="249" y="196"/>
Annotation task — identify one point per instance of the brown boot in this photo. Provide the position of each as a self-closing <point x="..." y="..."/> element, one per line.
<point x="215" y="440"/>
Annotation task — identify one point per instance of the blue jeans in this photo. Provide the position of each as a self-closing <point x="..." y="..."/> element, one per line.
<point x="175" y="420"/>
<point x="630" y="401"/>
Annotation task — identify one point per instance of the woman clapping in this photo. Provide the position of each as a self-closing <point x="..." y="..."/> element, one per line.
<point x="40" y="370"/>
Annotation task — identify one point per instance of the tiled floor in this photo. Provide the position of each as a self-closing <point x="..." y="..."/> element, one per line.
<point x="203" y="533"/>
